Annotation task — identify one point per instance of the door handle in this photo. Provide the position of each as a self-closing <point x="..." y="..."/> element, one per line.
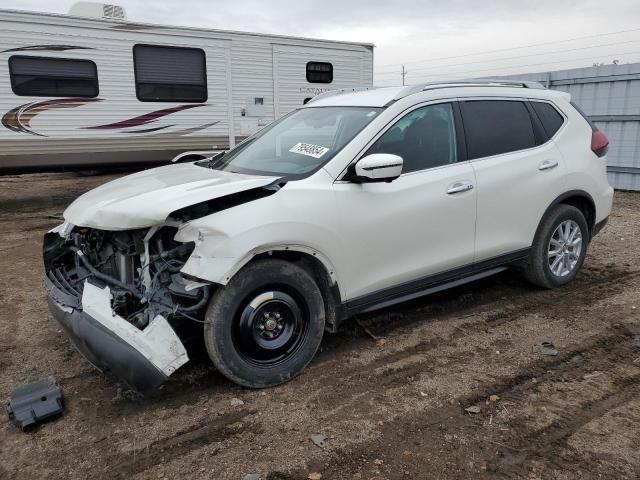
<point x="459" y="187"/>
<point x="548" y="165"/>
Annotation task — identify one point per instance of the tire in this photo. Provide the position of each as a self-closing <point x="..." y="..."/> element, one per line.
<point x="265" y="326"/>
<point x="549" y="269"/>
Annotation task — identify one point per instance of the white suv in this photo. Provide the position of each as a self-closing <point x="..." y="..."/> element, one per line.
<point x="354" y="202"/>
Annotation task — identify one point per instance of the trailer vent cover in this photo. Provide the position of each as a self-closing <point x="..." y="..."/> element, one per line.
<point x="104" y="11"/>
<point x="113" y="11"/>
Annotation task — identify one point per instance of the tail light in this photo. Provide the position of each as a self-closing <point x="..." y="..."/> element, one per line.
<point x="599" y="143"/>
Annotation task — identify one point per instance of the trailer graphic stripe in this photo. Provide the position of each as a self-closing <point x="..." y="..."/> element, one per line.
<point x="186" y="131"/>
<point x="145" y="119"/>
<point x="149" y="130"/>
<point x="44" y="48"/>
<point x="19" y="118"/>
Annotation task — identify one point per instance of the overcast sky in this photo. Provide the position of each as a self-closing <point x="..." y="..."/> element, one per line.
<point x="435" y="39"/>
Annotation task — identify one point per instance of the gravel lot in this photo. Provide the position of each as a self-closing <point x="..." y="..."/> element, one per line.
<point x="391" y="409"/>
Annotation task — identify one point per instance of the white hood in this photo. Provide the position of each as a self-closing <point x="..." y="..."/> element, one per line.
<point x="146" y="198"/>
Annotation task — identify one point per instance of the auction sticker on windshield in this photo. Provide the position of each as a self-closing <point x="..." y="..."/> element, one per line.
<point x="309" y="149"/>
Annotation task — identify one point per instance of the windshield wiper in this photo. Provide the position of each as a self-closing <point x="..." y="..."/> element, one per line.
<point x="215" y="158"/>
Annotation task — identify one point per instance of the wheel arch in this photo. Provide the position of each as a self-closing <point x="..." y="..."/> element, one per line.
<point x="314" y="262"/>
<point x="579" y="199"/>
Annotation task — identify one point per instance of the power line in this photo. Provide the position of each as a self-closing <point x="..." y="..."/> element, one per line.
<point x="535" y="64"/>
<point x="512" y="48"/>
<point x="523" y="56"/>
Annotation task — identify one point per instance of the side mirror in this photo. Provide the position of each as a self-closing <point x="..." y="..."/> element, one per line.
<point x="378" y="167"/>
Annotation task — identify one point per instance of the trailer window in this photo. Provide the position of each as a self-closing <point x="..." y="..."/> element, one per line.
<point x="170" y="74"/>
<point x="319" y="72"/>
<point x="53" y="77"/>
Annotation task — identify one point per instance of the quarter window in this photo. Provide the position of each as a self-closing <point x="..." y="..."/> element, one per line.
<point x="424" y="138"/>
<point x="170" y="74"/>
<point x="549" y="116"/>
<point x="53" y="77"/>
<point x="319" y="72"/>
<point x="493" y="127"/>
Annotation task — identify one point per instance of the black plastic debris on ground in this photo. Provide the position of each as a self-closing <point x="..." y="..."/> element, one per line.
<point x="35" y="403"/>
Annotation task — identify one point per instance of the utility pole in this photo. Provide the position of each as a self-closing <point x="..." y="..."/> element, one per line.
<point x="404" y="74"/>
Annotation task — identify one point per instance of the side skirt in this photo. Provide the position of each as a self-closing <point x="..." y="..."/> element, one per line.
<point x="431" y="284"/>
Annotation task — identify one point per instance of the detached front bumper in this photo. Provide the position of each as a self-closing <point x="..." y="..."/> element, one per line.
<point x="143" y="359"/>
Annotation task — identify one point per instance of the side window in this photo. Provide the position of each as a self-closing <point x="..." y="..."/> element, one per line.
<point x="424" y="138"/>
<point x="170" y="74"/>
<point x="53" y="77"/>
<point x="493" y="127"/>
<point x="319" y="72"/>
<point x="549" y="116"/>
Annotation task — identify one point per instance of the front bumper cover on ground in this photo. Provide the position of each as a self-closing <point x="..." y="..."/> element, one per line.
<point x="143" y="359"/>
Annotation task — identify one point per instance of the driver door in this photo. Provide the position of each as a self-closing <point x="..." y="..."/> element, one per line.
<point x="422" y="224"/>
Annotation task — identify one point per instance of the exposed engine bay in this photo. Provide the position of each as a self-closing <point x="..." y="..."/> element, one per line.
<point x="141" y="268"/>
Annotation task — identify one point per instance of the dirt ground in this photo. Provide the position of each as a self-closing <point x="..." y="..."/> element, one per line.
<point x="391" y="409"/>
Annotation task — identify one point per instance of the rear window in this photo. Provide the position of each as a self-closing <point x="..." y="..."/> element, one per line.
<point x="549" y="116"/>
<point x="53" y="77"/>
<point x="493" y="127"/>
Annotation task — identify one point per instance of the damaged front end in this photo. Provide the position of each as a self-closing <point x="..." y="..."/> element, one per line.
<point x="121" y="298"/>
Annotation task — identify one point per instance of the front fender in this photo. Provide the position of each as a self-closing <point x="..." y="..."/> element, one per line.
<point x="221" y="270"/>
<point x="301" y="217"/>
<point x="219" y="255"/>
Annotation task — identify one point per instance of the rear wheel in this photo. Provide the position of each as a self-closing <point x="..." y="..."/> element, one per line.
<point x="266" y="325"/>
<point x="559" y="248"/>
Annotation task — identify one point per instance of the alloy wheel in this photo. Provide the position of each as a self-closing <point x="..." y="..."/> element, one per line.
<point x="564" y="248"/>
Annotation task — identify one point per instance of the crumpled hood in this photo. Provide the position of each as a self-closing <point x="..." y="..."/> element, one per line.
<point x="146" y="198"/>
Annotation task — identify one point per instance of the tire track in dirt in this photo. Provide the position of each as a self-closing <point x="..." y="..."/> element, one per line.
<point x="549" y="444"/>
<point x="605" y="357"/>
<point x="169" y="448"/>
<point x="342" y="382"/>
<point x="609" y="346"/>
<point x="602" y="352"/>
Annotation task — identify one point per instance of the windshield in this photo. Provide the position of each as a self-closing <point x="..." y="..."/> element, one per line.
<point x="299" y="143"/>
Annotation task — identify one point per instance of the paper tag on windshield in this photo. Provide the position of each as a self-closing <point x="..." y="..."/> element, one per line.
<point x="309" y="149"/>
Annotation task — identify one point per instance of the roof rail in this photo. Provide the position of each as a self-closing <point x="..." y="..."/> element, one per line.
<point x="484" y="82"/>
<point x="333" y="93"/>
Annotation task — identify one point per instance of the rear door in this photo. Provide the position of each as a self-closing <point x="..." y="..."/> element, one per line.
<point x="519" y="172"/>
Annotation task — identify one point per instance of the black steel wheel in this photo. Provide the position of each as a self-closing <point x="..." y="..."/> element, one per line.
<point x="271" y="326"/>
<point x="266" y="325"/>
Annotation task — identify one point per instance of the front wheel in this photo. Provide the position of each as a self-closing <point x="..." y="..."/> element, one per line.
<point x="559" y="248"/>
<point x="266" y="325"/>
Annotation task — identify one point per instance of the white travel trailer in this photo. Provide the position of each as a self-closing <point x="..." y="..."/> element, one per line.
<point x="92" y="88"/>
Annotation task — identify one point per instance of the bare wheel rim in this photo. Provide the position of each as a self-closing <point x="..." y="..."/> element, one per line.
<point x="270" y="328"/>
<point x="564" y="248"/>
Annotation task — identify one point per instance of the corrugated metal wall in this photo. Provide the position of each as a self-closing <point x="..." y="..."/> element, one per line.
<point x="610" y="96"/>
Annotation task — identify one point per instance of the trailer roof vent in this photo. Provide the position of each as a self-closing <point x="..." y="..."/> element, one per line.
<point x="114" y="11"/>
<point x="98" y="10"/>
